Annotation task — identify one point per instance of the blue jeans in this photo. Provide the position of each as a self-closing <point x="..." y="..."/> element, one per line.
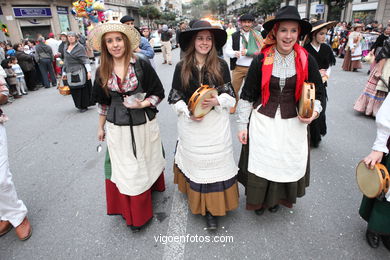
<point x="46" y="66"/>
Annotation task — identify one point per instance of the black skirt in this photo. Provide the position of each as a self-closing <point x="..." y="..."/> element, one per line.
<point x="82" y="96"/>
<point x="262" y="193"/>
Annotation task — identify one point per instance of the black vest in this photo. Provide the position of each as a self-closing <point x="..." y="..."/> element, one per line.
<point x="236" y="47"/>
<point x="118" y="114"/>
<point x="284" y="98"/>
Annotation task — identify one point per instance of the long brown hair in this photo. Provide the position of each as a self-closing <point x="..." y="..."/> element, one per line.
<point x="107" y="62"/>
<point x="212" y="65"/>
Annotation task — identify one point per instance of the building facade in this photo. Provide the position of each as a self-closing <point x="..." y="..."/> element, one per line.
<point x="357" y="10"/>
<point x="27" y="19"/>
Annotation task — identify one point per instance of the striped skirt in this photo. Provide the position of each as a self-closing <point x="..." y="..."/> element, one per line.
<point x="371" y="99"/>
<point x="216" y="198"/>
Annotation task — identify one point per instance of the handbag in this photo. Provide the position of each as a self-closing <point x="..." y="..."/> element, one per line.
<point x="63" y="89"/>
<point x="76" y="79"/>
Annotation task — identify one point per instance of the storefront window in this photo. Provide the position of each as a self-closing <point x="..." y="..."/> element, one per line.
<point x="64" y="22"/>
<point x="363" y="16"/>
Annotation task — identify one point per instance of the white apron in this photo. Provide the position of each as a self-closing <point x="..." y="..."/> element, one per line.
<point x="278" y="148"/>
<point x="204" y="151"/>
<point x="131" y="175"/>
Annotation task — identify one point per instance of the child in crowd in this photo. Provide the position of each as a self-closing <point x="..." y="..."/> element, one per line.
<point x="21" y="83"/>
<point x="11" y="78"/>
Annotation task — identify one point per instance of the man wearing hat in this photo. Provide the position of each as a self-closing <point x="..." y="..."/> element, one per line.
<point x="241" y="48"/>
<point x="144" y="47"/>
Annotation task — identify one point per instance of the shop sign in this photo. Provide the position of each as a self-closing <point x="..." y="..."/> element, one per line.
<point x="22" y="12"/>
<point x="320" y="9"/>
<point x="62" y="10"/>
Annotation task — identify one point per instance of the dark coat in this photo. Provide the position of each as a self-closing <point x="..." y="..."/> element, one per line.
<point x="25" y="61"/>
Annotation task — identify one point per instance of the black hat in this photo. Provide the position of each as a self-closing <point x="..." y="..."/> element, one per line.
<point x="288" y="13"/>
<point x="192" y="22"/>
<point x="220" y="36"/>
<point x="126" y="18"/>
<point x="247" y="17"/>
<point x="318" y="25"/>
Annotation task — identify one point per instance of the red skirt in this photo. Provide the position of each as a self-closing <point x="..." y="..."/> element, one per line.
<point x="136" y="210"/>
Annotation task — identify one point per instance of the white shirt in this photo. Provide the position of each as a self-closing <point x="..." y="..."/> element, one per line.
<point x="242" y="60"/>
<point x="54" y="44"/>
<point x="383" y="127"/>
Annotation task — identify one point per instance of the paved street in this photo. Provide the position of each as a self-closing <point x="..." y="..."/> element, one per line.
<point x="59" y="175"/>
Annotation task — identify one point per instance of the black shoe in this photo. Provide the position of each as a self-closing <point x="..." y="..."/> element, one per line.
<point x="47" y="87"/>
<point x="259" y="212"/>
<point x="372" y="239"/>
<point x="135" y="229"/>
<point x="274" y="209"/>
<point x="82" y="110"/>
<point x="386" y="242"/>
<point x="212" y="223"/>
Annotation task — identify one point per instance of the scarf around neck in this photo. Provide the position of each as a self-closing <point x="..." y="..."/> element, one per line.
<point x="252" y="45"/>
<point x="301" y="67"/>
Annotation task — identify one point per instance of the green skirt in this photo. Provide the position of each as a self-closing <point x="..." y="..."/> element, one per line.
<point x="377" y="212"/>
<point x="262" y="193"/>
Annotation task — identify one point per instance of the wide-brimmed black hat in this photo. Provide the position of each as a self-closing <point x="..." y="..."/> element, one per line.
<point x="247" y="17"/>
<point x="318" y="25"/>
<point x="220" y="36"/>
<point x="288" y="13"/>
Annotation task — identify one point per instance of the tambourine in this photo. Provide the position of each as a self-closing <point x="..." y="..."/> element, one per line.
<point x="196" y="100"/>
<point x="372" y="182"/>
<point x="306" y="102"/>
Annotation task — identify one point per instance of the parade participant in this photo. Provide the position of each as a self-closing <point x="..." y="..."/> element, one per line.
<point x="274" y="161"/>
<point x="134" y="162"/>
<point x="204" y="166"/>
<point x="353" y="53"/>
<point x="77" y="72"/>
<point x="144" y="47"/>
<point x="241" y="48"/>
<point x="374" y="92"/>
<point x="13" y="212"/>
<point x="324" y="56"/>
<point x="376" y="211"/>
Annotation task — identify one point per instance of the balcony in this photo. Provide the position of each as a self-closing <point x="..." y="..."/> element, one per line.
<point x="126" y="3"/>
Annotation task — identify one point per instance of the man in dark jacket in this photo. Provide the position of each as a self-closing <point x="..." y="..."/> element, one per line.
<point x="44" y="57"/>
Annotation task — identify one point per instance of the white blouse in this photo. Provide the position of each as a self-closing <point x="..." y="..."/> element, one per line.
<point x="383" y="127"/>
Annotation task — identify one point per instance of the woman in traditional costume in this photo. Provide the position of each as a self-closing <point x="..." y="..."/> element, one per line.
<point x="376" y="211"/>
<point x="77" y="67"/>
<point x="324" y="56"/>
<point x="134" y="162"/>
<point x="375" y="91"/>
<point x="204" y="166"/>
<point x="274" y="161"/>
<point x="353" y="54"/>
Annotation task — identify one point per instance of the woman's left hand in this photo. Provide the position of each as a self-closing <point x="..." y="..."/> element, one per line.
<point x="210" y="102"/>
<point x="89" y="75"/>
<point x="310" y="119"/>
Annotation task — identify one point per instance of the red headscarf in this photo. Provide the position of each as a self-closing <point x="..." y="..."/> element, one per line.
<point x="301" y="65"/>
